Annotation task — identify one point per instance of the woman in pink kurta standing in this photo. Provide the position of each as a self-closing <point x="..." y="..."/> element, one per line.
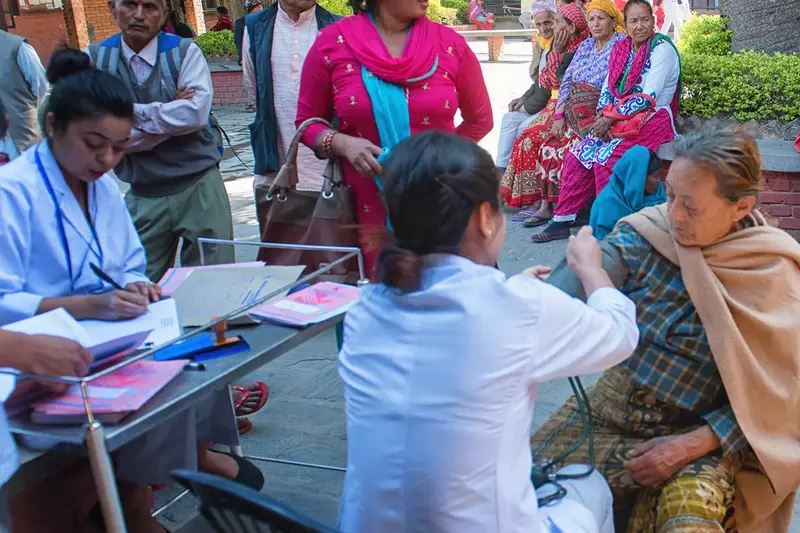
<point x="395" y="42"/>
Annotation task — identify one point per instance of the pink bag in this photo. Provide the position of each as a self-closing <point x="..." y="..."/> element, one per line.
<point x="797" y="143"/>
<point x="629" y="126"/>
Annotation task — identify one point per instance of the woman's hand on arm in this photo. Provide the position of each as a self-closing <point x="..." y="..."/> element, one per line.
<point x="585" y="259"/>
<point x="656" y="461"/>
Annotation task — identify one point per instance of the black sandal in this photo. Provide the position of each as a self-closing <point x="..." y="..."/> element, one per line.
<point x="249" y="475"/>
<point x="556" y="231"/>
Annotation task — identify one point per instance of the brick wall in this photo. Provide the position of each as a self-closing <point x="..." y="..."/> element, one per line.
<point x="228" y="89"/>
<point x="98" y="16"/>
<point x="45" y="31"/>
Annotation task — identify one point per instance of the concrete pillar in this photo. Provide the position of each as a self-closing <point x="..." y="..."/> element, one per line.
<point x="75" y="21"/>
<point x="194" y="15"/>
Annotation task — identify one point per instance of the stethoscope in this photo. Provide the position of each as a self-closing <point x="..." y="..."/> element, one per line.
<point x="62" y="230"/>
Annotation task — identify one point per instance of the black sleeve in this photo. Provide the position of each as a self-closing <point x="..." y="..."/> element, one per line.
<point x="537" y="100"/>
<point x="238" y="34"/>
<point x="562" y="68"/>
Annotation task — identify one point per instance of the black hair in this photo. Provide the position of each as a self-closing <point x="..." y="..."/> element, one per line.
<point x="174" y="17"/>
<point x="655" y="163"/>
<point x="222" y="10"/>
<point x="363" y="6"/>
<point x="434" y="181"/>
<point x="81" y="91"/>
<point x="3" y="120"/>
<point x="630" y="3"/>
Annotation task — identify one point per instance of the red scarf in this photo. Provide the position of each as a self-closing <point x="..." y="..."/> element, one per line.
<point x="419" y="54"/>
<point x="619" y="60"/>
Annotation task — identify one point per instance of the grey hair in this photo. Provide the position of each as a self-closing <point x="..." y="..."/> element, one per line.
<point x="731" y="153"/>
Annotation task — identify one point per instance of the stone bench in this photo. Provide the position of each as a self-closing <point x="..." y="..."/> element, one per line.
<point x="780" y="166"/>
<point x="496" y="38"/>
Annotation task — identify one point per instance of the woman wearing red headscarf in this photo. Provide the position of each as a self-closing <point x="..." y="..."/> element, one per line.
<point x="520" y="186"/>
<point x="638" y="105"/>
<point x="387" y="73"/>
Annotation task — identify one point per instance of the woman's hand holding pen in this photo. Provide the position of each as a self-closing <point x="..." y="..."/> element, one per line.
<point x="150" y="291"/>
<point x="117" y="305"/>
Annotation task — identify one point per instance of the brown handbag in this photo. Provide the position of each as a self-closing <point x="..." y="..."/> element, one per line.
<point x="325" y="218"/>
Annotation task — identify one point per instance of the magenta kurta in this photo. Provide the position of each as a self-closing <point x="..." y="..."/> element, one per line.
<point x="332" y="85"/>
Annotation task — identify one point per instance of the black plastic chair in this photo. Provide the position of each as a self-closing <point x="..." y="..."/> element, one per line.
<point x="233" y="508"/>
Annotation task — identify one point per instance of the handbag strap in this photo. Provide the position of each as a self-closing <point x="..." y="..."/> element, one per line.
<point x="287" y="175"/>
<point x="611" y="110"/>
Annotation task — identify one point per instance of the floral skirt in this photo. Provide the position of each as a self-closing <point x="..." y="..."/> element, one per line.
<point x="521" y="185"/>
<point x="698" y="499"/>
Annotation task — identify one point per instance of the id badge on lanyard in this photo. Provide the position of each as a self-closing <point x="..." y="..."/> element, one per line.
<point x="62" y="230"/>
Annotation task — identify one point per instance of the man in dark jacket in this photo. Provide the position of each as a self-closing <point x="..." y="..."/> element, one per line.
<point x="251" y="6"/>
<point x="272" y="79"/>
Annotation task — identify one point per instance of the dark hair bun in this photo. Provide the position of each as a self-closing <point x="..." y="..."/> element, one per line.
<point x="400" y="268"/>
<point x="67" y="62"/>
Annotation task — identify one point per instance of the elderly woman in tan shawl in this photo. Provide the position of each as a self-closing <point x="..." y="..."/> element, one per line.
<point x="699" y="430"/>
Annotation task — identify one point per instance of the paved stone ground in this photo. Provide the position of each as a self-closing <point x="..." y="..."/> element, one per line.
<point x="304" y="419"/>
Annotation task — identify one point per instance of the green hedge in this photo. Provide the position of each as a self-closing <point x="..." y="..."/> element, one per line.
<point x="444" y="15"/>
<point x="748" y="86"/>
<point x="217" y="43"/>
<point x="708" y="35"/>
<point x="337" y="7"/>
<point x="461" y="7"/>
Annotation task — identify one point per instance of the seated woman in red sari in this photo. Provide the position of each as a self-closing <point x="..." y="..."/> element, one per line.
<point x="638" y="105"/>
<point x="519" y="186"/>
<point x="386" y="73"/>
<point x="479" y="16"/>
<point x="577" y="99"/>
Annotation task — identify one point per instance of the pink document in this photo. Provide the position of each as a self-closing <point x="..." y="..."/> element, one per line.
<point x="118" y="393"/>
<point x="312" y="305"/>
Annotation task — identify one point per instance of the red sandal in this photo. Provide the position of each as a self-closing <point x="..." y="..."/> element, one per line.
<point x="262" y="390"/>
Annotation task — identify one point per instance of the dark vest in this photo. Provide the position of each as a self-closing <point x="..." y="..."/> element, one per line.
<point x="178" y="162"/>
<point x="264" y="130"/>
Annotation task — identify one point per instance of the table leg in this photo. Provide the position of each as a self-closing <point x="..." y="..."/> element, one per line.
<point x="104" y="479"/>
<point x="237" y="450"/>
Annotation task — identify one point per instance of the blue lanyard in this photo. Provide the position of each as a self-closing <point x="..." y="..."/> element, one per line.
<point x="60" y="221"/>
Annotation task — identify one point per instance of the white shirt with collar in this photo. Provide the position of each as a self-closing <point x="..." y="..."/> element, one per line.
<point x="33" y="258"/>
<point x="157" y="121"/>
<point x="290" y="45"/>
<point x="440" y="387"/>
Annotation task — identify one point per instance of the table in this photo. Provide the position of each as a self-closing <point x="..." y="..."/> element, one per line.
<point x="267" y="342"/>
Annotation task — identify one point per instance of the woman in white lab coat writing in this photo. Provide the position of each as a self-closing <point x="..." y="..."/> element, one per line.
<point x="62" y="213"/>
<point x="441" y="360"/>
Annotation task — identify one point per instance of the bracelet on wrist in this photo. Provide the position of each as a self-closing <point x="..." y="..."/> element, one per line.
<point x="327" y="144"/>
<point x="558" y="116"/>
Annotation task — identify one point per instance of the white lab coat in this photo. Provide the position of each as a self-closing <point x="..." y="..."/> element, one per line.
<point x="33" y="266"/>
<point x="440" y="386"/>
<point x="33" y="260"/>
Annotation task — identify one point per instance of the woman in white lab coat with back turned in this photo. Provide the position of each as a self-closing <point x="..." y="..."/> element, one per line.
<point x="441" y="360"/>
<point x="62" y="212"/>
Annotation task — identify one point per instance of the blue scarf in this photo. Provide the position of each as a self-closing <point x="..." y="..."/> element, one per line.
<point x="624" y="195"/>
<point x="390" y="109"/>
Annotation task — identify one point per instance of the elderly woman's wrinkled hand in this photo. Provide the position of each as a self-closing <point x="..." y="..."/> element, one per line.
<point x="559" y="128"/>
<point x="654" y="462"/>
<point x="561" y="41"/>
<point x="601" y="127"/>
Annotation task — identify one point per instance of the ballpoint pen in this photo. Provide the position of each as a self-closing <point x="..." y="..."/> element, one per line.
<point x="105" y="277"/>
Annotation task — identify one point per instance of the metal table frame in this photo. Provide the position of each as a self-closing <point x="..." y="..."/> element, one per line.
<point x="100" y="440"/>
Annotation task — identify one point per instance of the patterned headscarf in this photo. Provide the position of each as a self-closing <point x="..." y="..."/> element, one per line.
<point x="610" y="9"/>
<point x="575" y="15"/>
<point x="543" y="6"/>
